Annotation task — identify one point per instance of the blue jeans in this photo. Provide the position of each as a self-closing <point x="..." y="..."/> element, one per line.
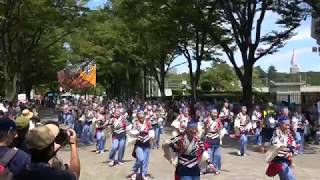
<point x="286" y="173"/>
<point x="157" y="137"/>
<point x="142" y="160"/>
<point x="243" y="143"/>
<point x="300" y="141"/>
<point x="227" y="126"/>
<point x="215" y="156"/>
<point x="78" y="126"/>
<point x="117" y="145"/>
<point x="189" y="177"/>
<point x="124" y="149"/>
<point x="257" y="137"/>
<point x="68" y="120"/>
<point x="86" y="135"/>
<point x="101" y="139"/>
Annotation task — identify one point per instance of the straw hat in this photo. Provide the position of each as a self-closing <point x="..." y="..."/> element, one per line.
<point x="27" y="114"/>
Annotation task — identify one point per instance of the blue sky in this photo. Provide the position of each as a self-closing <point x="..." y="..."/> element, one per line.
<point x="302" y="43"/>
<point x="93" y="4"/>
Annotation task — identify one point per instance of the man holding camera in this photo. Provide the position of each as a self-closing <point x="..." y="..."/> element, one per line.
<point x="43" y="145"/>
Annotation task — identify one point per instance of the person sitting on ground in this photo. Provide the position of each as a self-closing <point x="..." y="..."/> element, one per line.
<point x="17" y="159"/>
<point x="41" y="142"/>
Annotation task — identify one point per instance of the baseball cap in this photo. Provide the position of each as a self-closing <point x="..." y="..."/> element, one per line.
<point x="41" y="137"/>
<point x="22" y="122"/>
<point x="7" y="125"/>
<point x="192" y="124"/>
<point x="214" y="110"/>
<point x="284" y="120"/>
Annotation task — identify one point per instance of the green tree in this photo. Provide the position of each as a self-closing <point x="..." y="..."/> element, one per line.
<point x="206" y="85"/>
<point x="272" y="73"/>
<point x="29" y="28"/>
<point x="195" y="21"/>
<point x="315" y="5"/>
<point x="244" y="20"/>
<point x="106" y="38"/>
<point x="222" y="77"/>
<point x="156" y="38"/>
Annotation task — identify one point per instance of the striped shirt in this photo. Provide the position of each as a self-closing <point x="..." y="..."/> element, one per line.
<point x="143" y="138"/>
<point x="283" y="139"/>
<point x="213" y="128"/>
<point x="189" y="152"/>
<point x="118" y="126"/>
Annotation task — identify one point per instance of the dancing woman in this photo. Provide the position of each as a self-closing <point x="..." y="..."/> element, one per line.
<point x="242" y="126"/>
<point x="280" y="157"/>
<point x="189" y="149"/>
<point x="213" y="135"/>
<point x="142" y="146"/>
<point x="118" y="125"/>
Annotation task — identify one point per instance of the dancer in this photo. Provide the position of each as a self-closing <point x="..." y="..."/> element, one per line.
<point x="242" y="126"/>
<point x="118" y="126"/>
<point x="256" y="125"/>
<point x="181" y="122"/>
<point x="189" y="149"/>
<point x="280" y="157"/>
<point x="142" y="146"/>
<point x="213" y="135"/>
<point x="100" y="135"/>
<point x="299" y="123"/>
<point x="268" y="126"/>
<point x="153" y="117"/>
<point x="162" y="116"/>
<point x="226" y="116"/>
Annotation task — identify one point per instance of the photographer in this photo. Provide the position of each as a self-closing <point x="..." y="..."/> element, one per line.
<point x="43" y="144"/>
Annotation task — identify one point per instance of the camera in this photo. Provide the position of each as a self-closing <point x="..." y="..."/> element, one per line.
<point x="63" y="137"/>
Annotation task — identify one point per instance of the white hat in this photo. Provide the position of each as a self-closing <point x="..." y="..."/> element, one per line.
<point x="2" y="108"/>
<point x="27" y="114"/>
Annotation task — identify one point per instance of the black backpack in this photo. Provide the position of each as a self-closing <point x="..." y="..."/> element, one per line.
<point x="5" y="173"/>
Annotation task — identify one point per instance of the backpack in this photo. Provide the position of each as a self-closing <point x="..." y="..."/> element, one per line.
<point x="5" y="173"/>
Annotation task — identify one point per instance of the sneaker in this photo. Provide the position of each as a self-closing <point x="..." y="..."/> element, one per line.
<point x="239" y="154"/>
<point x="101" y="152"/>
<point x="133" y="176"/>
<point x="111" y="163"/>
<point x="120" y="162"/>
<point x="212" y="169"/>
<point x="144" y="178"/>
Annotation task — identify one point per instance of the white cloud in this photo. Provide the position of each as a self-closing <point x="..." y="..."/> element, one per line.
<point x="282" y="59"/>
<point x="303" y="34"/>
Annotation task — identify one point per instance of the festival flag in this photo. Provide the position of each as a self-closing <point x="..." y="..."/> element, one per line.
<point x="81" y="76"/>
<point x="89" y="74"/>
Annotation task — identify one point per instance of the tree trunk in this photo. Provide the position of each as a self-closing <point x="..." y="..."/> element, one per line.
<point x="162" y="87"/>
<point x="28" y="88"/>
<point x="10" y="83"/>
<point x="246" y="83"/>
<point x="144" y="83"/>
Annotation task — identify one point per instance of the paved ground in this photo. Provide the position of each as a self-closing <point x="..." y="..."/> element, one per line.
<point x="94" y="166"/>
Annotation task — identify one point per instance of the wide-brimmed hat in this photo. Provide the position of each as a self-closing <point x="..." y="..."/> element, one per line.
<point x="27" y="114"/>
<point x="273" y="153"/>
<point x="42" y="137"/>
